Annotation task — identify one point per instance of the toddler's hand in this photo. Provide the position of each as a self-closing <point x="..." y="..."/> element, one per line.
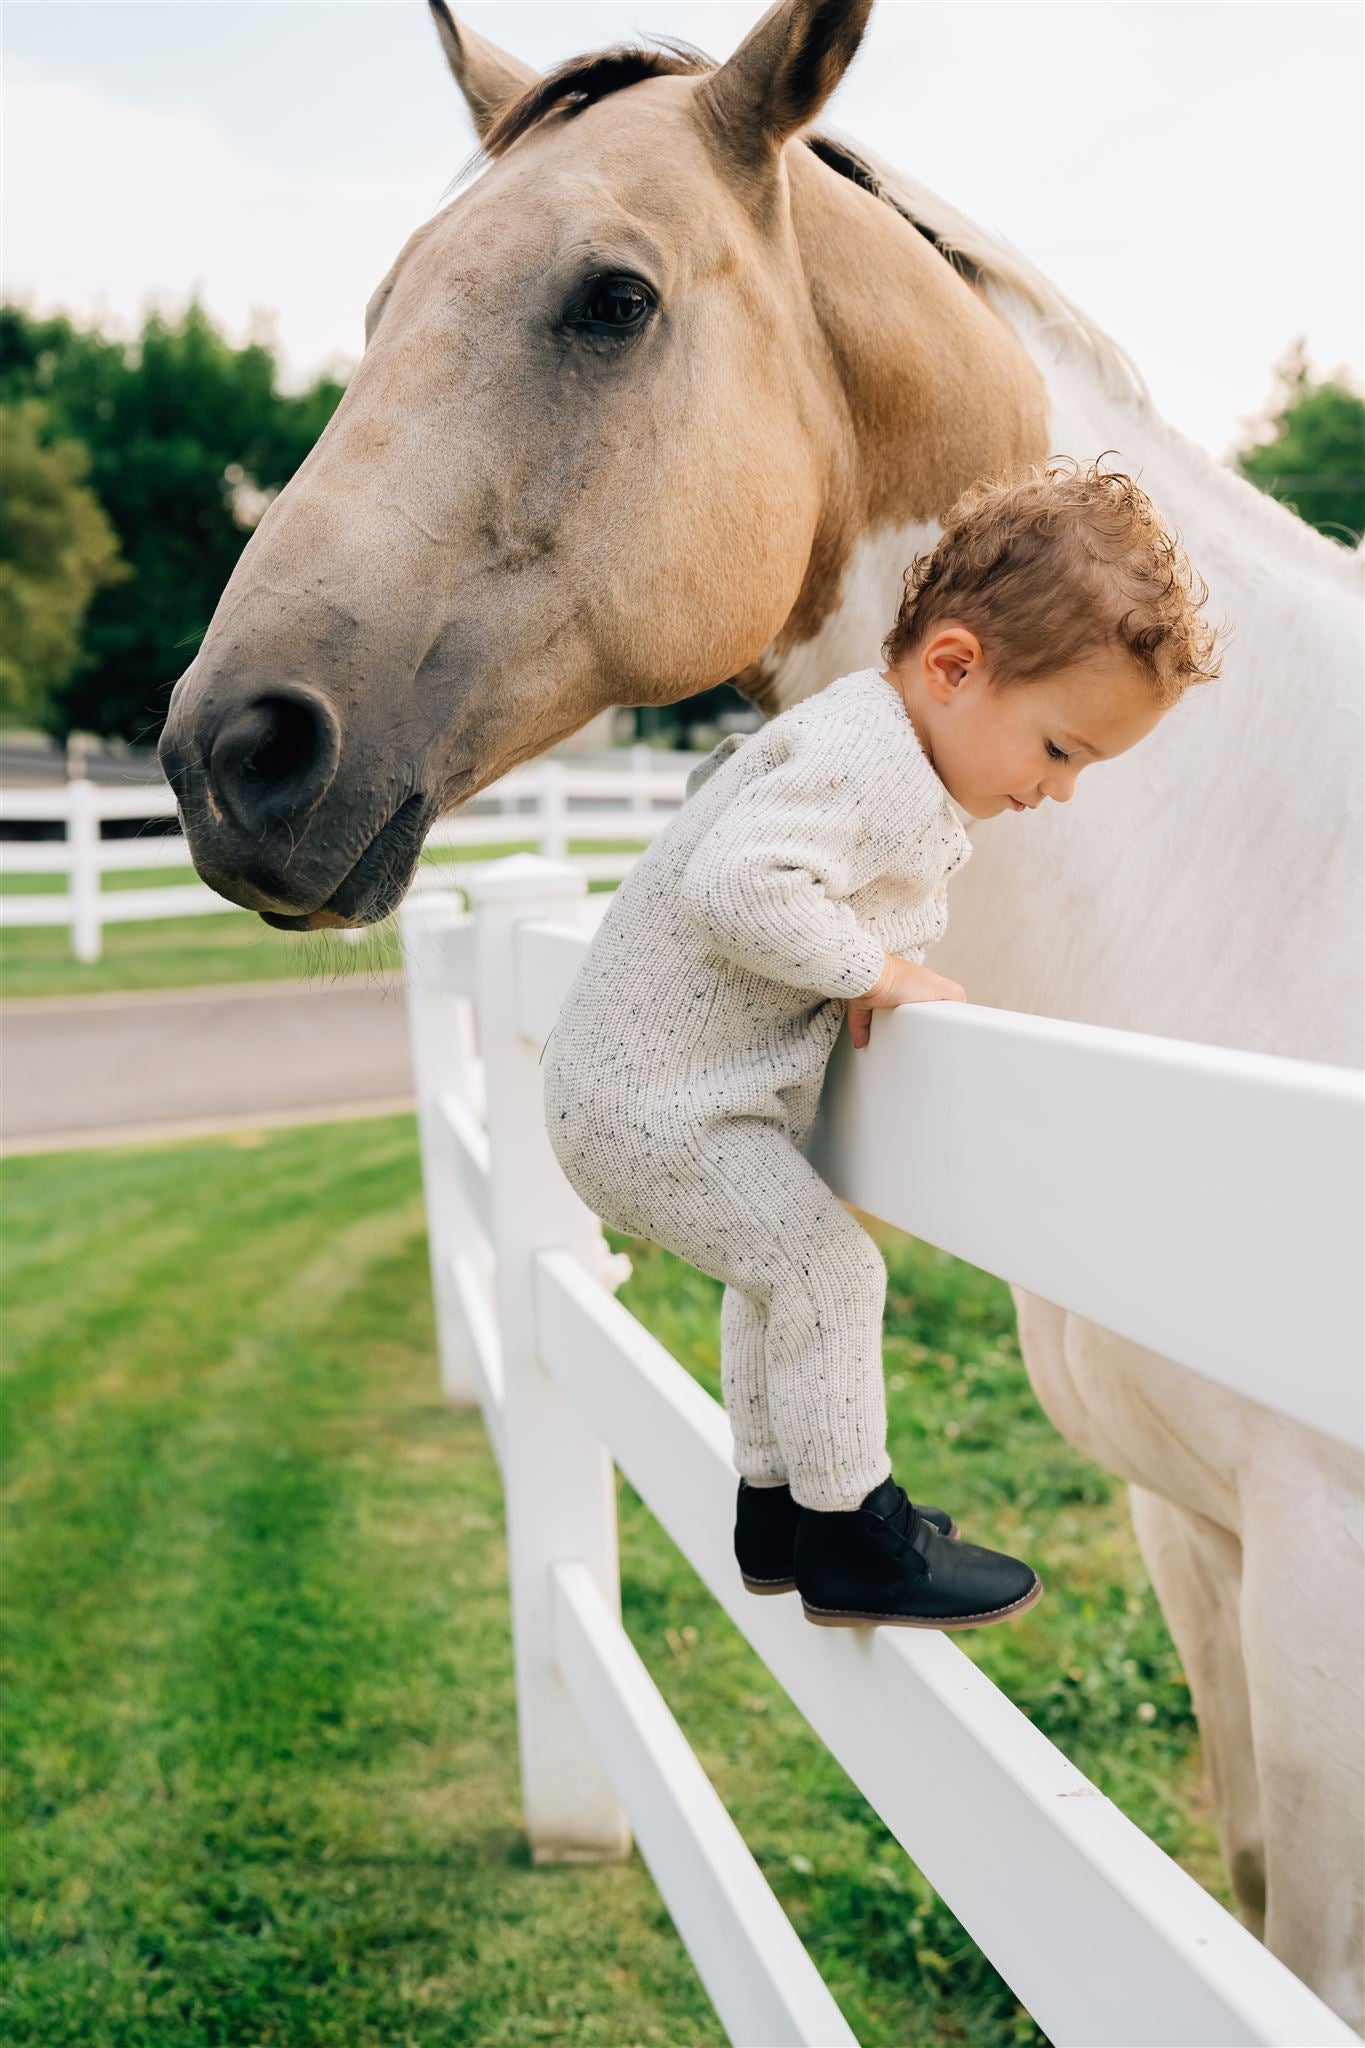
<point x="900" y="981"/>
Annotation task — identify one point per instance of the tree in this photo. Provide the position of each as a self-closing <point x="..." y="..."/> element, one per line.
<point x="1310" y="449"/>
<point x="56" y="550"/>
<point x="188" y="438"/>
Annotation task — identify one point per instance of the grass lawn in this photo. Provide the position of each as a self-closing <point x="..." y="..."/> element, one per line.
<point x="193" y="952"/>
<point x="261" y="1772"/>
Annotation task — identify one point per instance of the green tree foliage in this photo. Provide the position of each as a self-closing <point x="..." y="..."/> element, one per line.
<point x="187" y="438"/>
<point x="57" y="549"/>
<point x="1310" y="450"/>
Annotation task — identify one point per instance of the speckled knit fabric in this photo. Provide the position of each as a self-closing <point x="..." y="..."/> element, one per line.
<point x="683" y="1074"/>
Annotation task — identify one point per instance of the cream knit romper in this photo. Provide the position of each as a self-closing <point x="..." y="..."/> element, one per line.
<point x="683" y="1073"/>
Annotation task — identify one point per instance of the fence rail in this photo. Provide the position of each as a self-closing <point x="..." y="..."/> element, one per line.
<point x="548" y="801"/>
<point x="1102" y="1937"/>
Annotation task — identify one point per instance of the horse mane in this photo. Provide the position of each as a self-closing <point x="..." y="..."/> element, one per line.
<point x="980" y="257"/>
<point x="581" y="81"/>
<point x="987" y="259"/>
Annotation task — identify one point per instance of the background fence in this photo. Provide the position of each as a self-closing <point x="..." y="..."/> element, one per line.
<point x="1101" y="1936"/>
<point x="628" y="798"/>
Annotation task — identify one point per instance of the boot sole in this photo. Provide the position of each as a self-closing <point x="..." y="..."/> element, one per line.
<point x="789" y="1585"/>
<point x="844" y="1617"/>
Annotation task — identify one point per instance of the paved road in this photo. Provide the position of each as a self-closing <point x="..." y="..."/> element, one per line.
<point x="94" y="1068"/>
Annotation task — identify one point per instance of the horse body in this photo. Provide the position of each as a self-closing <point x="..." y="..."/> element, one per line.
<point x="1129" y="910"/>
<point x="1139" y="906"/>
<point x="512" y="522"/>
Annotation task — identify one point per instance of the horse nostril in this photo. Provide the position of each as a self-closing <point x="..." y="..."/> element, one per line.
<point x="288" y="742"/>
<point x="275" y="757"/>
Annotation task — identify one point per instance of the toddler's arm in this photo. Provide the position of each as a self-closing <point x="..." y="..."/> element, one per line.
<point x="765" y="882"/>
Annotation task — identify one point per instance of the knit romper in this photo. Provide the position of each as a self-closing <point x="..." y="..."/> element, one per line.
<point x="684" y="1070"/>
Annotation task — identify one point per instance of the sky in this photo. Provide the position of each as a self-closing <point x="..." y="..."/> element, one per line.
<point x="1189" y="171"/>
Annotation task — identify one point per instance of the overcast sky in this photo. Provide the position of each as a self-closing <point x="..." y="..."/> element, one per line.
<point x="1190" y="171"/>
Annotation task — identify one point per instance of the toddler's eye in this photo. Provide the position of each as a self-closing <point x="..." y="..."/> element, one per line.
<point x="1056" y="752"/>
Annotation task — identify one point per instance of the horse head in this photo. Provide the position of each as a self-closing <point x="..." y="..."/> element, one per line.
<point x="612" y="440"/>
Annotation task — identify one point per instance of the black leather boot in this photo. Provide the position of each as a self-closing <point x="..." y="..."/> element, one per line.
<point x="765" y="1529"/>
<point x="884" y="1561"/>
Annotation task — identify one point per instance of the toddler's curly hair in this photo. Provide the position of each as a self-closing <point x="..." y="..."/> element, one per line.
<point x="1054" y="565"/>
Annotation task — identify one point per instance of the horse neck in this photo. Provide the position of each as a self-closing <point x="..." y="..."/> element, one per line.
<point x="1235" y="836"/>
<point x="887" y="313"/>
<point x="1263" y="552"/>
<point x="1207" y="885"/>
<point x="939" y="383"/>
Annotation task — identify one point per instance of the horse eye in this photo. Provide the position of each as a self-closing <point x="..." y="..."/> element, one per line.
<point x="614" y="305"/>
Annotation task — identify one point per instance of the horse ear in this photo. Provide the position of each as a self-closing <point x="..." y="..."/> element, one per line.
<point x="782" y="74"/>
<point x="489" y="79"/>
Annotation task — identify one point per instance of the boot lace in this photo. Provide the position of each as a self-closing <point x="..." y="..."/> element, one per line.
<point x="902" y="1519"/>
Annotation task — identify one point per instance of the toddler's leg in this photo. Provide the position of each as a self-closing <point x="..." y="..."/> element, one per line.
<point x="826" y="1392"/>
<point x="755" y="1213"/>
<point x="744" y="1387"/>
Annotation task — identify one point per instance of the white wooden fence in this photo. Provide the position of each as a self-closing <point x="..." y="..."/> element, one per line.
<point x="1103" y="1939"/>
<point x="548" y="801"/>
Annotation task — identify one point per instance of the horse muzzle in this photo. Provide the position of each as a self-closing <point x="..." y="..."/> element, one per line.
<point x="270" y="820"/>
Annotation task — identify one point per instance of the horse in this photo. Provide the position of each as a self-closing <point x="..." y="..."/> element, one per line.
<point x="669" y="394"/>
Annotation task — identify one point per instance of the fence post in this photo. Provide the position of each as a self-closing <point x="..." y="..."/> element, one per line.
<point x="554" y="830"/>
<point x="640" y="773"/>
<point x="435" y="930"/>
<point x="560" y="1483"/>
<point x="83" y="843"/>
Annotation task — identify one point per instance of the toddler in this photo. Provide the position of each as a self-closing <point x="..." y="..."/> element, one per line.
<point x="1052" y="626"/>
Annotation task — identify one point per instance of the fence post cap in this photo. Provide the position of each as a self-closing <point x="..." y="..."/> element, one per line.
<point x="523" y="878"/>
<point x="432" y="885"/>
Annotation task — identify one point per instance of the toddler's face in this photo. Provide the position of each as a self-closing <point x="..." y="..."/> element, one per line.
<point x="1002" y="750"/>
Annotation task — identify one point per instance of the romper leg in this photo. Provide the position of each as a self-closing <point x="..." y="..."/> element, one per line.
<point x="757" y="1215"/>
<point x="744" y="1387"/>
<point x="826" y="1391"/>
<point x="740" y="1201"/>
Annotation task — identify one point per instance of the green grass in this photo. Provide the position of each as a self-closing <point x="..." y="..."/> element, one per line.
<point x="185" y="952"/>
<point x="116" y="878"/>
<point x="191" y="952"/>
<point x="261" y="1778"/>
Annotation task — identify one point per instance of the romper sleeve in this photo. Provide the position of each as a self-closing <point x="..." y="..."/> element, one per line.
<point x="709" y="763"/>
<point x="765" y="883"/>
